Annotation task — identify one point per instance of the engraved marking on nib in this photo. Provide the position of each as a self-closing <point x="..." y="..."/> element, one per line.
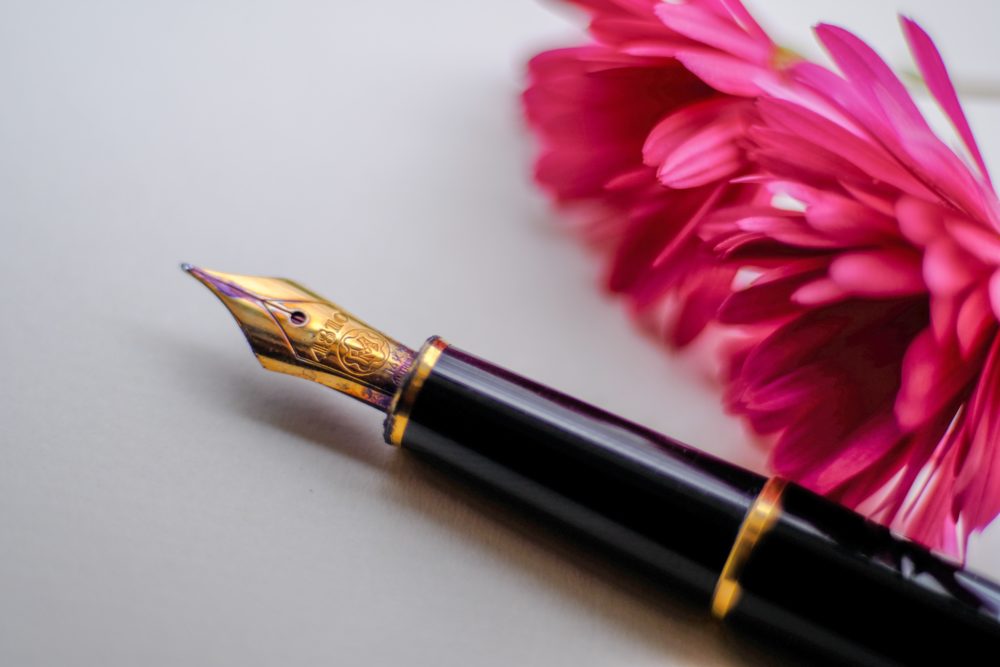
<point x="363" y="351"/>
<point x="292" y="330"/>
<point x="326" y="337"/>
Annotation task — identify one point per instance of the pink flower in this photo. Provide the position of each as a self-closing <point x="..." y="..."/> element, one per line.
<point x="648" y="123"/>
<point x="873" y="296"/>
<point x="816" y="216"/>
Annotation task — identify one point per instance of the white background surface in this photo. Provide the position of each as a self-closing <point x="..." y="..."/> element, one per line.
<point x="163" y="501"/>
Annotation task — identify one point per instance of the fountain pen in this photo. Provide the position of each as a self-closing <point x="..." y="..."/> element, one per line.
<point x="763" y="553"/>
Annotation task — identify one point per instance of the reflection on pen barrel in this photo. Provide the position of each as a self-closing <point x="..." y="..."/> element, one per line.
<point x="761" y="553"/>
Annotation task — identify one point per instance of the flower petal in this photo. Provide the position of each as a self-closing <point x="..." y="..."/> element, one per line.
<point x="700" y="25"/>
<point x="885" y="272"/>
<point x="725" y="73"/>
<point x="933" y="374"/>
<point x="974" y="322"/>
<point x="698" y="144"/>
<point x="947" y="268"/>
<point x="980" y="469"/>
<point x="870" y="75"/>
<point x="936" y="77"/>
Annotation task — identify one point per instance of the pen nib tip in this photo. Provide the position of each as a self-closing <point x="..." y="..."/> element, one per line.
<point x="292" y="330"/>
<point x="186" y="267"/>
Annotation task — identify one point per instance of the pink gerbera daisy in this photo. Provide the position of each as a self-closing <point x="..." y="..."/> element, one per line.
<point x="815" y="215"/>
<point x="872" y="295"/>
<point x="648" y="123"/>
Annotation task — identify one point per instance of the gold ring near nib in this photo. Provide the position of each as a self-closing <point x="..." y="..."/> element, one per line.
<point x="295" y="331"/>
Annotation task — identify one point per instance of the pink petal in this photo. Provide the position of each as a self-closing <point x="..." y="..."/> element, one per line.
<point x="769" y="297"/>
<point x="977" y="240"/>
<point x="660" y="224"/>
<point x="974" y="321"/>
<point x="994" y="287"/>
<point x="792" y="345"/>
<point x="786" y="393"/>
<point x="932" y="375"/>
<point x="869" y="73"/>
<point x="700" y="303"/>
<point x="787" y="155"/>
<point x="944" y="172"/>
<point x="935" y="74"/>
<point x="827" y="94"/>
<point x="819" y="292"/>
<point x="638" y="177"/>
<point x="745" y="20"/>
<point x="886" y="205"/>
<point x="687" y="233"/>
<point x="863" y="157"/>
<point x="679" y="126"/>
<point x="788" y="230"/>
<point x="862" y="449"/>
<point x="710" y="155"/>
<point x="947" y="268"/>
<point x="577" y="174"/>
<point x="931" y="518"/>
<point x="725" y="73"/>
<point x="981" y="469"/>
<point x="702" y="26"/>
<point x="880" y="103"/>
<point x="944" y="317"/>
<point x="888" y="272"/>
<point x="698" y="144"/>
<point x="849" y="220"/>
<point x="625" y="32"/>
<point x="920" y="221"/>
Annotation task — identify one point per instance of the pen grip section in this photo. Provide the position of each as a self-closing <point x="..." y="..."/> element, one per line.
<point x="669" y="509"/>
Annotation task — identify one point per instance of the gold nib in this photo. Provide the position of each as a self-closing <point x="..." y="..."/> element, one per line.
<point x="294" y="331"/>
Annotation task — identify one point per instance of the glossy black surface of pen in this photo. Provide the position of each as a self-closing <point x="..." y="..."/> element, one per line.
<point x="822" y="578"/>
<point x="826" y="577"/>
<point x="611" y="481"/>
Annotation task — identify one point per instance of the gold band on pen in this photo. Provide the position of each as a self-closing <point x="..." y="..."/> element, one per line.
<point x="402" y="402"/>
<point x="762" y="515"/>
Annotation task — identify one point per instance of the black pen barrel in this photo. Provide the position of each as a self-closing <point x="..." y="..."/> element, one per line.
<point x="824" y="576"/>
<point x="765" y="554"/>
<point x="667" y="508"/>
